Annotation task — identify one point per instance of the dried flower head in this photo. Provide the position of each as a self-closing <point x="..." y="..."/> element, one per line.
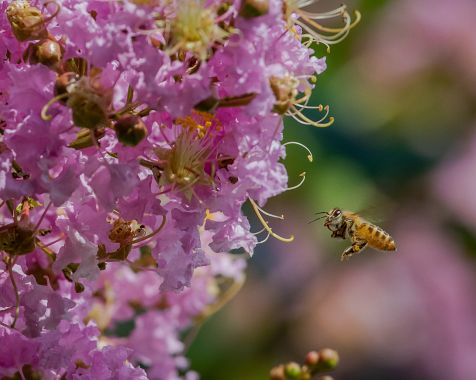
<point x="28" y="22"/>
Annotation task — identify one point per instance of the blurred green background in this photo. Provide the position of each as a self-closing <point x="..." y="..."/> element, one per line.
<point x="402" y="151"/>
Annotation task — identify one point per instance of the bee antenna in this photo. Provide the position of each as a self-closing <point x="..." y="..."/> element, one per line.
<point x="321" y="217"/>
<point x="320" y="212"/>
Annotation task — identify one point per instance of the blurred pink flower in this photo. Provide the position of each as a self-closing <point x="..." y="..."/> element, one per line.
<point x="412" y="309"/>
<point x="411" y="35"/>
<point x="454" y="182"/>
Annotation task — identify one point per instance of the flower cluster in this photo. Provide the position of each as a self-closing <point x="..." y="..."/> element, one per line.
<point x="314" y="363"/>
<point x="131" y="134"/>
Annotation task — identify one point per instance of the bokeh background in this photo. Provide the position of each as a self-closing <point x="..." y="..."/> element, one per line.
<point x="402" y="88"/>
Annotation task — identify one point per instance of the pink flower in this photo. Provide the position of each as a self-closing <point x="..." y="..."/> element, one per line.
<point x="140" y="128"/>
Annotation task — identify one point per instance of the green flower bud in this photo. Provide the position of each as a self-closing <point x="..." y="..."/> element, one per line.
<point x="328" y="359"/>
<point x="89" y="110"/>
<point x="85" y="139"/>
<point x="293" y="371"/>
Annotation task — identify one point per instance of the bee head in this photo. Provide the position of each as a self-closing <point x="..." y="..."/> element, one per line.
<point x="333" y="218"/>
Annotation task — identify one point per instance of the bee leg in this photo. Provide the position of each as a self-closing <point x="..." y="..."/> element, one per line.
<point x="336" y="234"/>
<point x="340" y="233"/>
<point x="354" y="248"/>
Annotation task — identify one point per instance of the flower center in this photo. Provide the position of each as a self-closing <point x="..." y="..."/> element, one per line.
<point x="195" y="29"/>
<point x="189" y="160"/>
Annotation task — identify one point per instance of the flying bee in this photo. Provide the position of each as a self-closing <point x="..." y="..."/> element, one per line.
<point x="349" y="225"/>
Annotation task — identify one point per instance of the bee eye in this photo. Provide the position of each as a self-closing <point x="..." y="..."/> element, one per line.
<point x="337" y="213"/>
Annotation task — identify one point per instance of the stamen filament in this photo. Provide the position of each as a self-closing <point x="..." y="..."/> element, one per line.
<point x="54" y="14"/>
<point x="134" y="266"/>
<point x="146" y="237"/>
<point x="269" y="214"/>
<point x="54" y="241"/>
<point x="309" y="156"/>
<point x="41" y="218"/>
<point x="45" y="108"/>
<point x="303" y="175"/>
<point x="50" y="253"/>
<point x="303" y="119"/>
<point x="266" y="226"/>
<point x="10" y="265"/>
<point x="223" y="299"/>
<point x="264" y="240"/>
<point x="260" y="231"/>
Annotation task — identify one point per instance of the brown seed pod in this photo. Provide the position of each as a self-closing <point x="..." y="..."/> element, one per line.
<point x="28" y="23"/>
<point x="48" y="52"/>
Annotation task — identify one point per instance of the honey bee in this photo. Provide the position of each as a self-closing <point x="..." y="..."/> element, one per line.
<point x="349" y="225"/>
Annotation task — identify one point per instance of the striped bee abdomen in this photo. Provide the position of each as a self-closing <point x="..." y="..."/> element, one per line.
<point x="376" y="237"/>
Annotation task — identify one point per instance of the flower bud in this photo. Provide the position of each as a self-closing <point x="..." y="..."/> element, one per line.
<point x="254" y="8"/>
<point x="87" y="111"/>
<point x="130" y="130"/>
<point x="85" y="139"/>
<point x="27" y="22"/>
<point x="312" y="358"/>
<point x="293" y="371"/>
<point x="89" y="101"/>
<point x="277" y="373"/>
<point x="17" y="241"/>
<point x="328" y="359"/>
<point x="47" y="52"/>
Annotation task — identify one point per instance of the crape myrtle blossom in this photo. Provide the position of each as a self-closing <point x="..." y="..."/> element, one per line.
<point x="131" y="135"/>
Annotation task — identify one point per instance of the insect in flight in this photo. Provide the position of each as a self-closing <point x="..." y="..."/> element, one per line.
<point x="349" y="225"/>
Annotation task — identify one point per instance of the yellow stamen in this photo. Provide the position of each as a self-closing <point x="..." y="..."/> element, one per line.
<point x="45" y="108"/>
<point x="309" y="156"/>
<point x="153" y="233"/>
<point x="315" y="30"/>
<point x="257" y="209"/>
<point x="299" y="116"/>
<point x="303" y="178"/>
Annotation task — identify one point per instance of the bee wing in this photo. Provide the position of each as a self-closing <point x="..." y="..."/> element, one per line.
<point x="379" y="211"/>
